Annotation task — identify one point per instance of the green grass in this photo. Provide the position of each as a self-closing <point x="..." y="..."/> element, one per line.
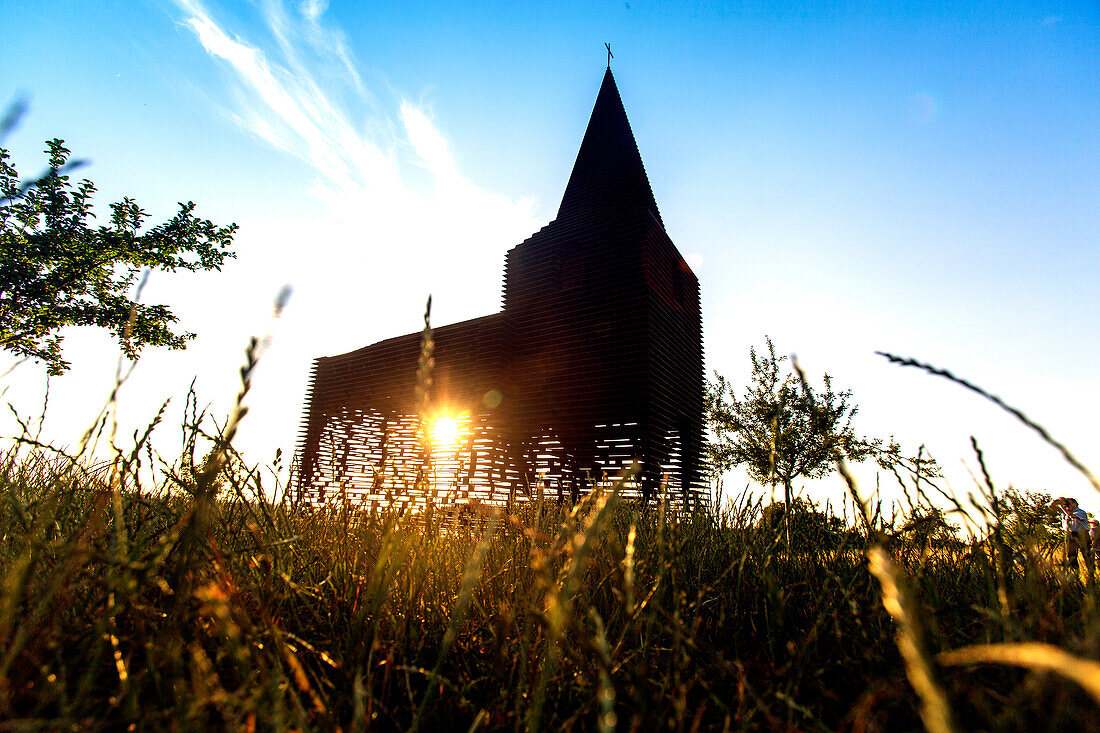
<point x="200" y="604"/>
<point x="149" y="595"/>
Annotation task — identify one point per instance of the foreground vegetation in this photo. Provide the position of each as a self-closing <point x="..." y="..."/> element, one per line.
<point x="199" y="594"/>
<point x="202" y="604"/>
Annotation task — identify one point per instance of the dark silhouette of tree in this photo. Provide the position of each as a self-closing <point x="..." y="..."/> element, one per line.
<point x="57" y="270"/>
<point x="781" y="430"/>
<point x="1028" y="519"/>
<point x="813" y="528"/>
<point x="926" y="528"/>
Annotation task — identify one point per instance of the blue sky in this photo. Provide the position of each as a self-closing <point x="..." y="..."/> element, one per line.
<point x="917" y="178"/>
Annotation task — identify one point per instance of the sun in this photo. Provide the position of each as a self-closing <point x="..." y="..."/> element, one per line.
<point x="445" y="432"/>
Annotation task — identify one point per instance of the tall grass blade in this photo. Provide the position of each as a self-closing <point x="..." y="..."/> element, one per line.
<point x="1031" y="655"/>
<point x="1015" y="412"/>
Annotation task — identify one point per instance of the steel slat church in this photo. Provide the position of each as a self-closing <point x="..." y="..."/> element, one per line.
<point x="592" y="369"/>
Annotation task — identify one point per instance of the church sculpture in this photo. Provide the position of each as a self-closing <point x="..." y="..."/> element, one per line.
<point x="593" y="369"/>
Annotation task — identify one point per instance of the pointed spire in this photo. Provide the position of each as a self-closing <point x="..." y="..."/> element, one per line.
<point x="608" y="170"/>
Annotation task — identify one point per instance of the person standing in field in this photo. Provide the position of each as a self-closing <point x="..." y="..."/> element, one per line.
<point x="1094" y="538"/>
<point x="1076" y="523"/>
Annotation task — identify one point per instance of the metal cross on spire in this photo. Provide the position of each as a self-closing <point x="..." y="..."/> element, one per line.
<point x="609" y="55"/>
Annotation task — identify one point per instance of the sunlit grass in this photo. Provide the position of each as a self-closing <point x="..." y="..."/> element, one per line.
<point x="202" y="596"/>
<point x="537" y="617"/>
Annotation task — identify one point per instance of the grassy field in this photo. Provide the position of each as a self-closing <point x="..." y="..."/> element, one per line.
<point x="197" y="595"/>
<point x="199" y="603"/>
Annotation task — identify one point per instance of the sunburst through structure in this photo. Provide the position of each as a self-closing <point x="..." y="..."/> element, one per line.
<point x="592" y="370"/>
<point x="446" y="433"/>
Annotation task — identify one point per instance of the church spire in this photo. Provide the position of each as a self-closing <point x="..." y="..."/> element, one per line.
<point x="608" y="171"/>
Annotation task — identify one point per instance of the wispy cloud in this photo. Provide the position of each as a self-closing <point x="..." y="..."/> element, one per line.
<point x="402" y="222"/>
<point x="313" y="9"/>
<point x="283" y="102"/>
<point x="293" y="94"/>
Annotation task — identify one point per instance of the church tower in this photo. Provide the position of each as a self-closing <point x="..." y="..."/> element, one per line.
<point x="593" y="368"/>
<point x="606" y="317"/>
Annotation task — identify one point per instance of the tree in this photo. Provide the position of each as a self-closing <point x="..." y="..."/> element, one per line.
<point x="815" y="528"/>
<point x="781" y="430"/>
<point x="926" y="528"/>
<point x="1027" y="520"/>
<point x="56" y="270"/>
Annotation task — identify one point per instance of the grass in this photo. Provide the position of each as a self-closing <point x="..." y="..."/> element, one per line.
<point x="199" y="596"/>
<point x="609" y="615"/>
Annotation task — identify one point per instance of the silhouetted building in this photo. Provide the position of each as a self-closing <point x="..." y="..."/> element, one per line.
<point x="594" y="363"/>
